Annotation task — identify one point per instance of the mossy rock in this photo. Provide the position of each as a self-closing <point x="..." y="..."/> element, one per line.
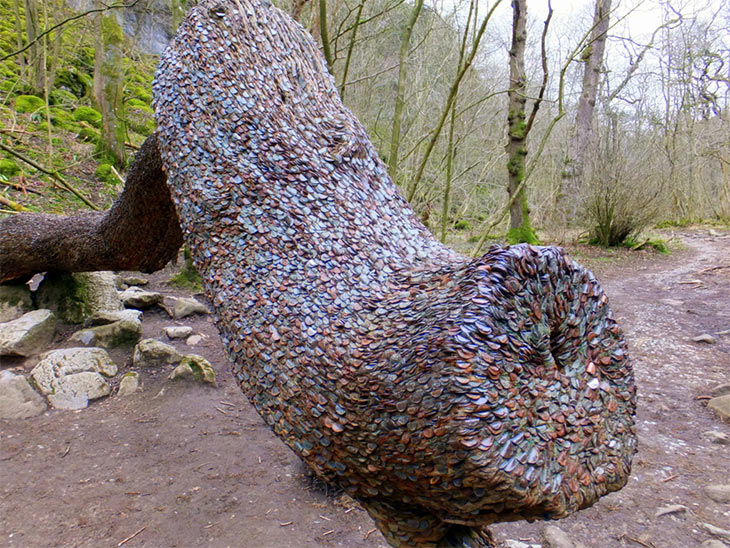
<point x="88" y="115"/>
<point x="140" y="93"/>
<point x="63" y="98"/>
<point x="141" y="119"/>
<point x="522" y="234"/>
<point x="61" y="119"/>
<point x="105" y="174"/>
<point x="29" y="103"/>
<point x="74" y="81"/>
<point x="89" y="135"/>
<point x="462" y="225"/>
<point x="8" y="167"/>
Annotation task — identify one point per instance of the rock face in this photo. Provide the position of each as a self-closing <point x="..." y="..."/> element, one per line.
<point x="29" y="334"/>
<point x="75" y="297"/>
<point x="71" y="377"/>
<point x="18" y="400"/>
<point x="435" y="388"/>
<point x="153" y="353"/>
<point x="14" y="301"/>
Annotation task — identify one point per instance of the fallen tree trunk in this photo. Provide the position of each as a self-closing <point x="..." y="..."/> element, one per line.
<point x="139" y="232"/>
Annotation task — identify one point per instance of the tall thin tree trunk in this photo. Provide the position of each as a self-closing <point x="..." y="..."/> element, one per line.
<point x="111" y="82"/>
<point x="36" y="52"/>
<point x="574" y="170"/>
<point x="520" y="229"/>
<point x="19" y="35"/>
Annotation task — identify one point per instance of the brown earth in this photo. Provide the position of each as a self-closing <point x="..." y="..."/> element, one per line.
<point x="186" y="465"/>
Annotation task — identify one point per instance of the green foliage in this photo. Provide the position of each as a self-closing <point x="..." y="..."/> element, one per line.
<point x="63" y="98"/>
<point x="8" y="167"/>
<point x="90" y="135"/>
<point x="104" y="173"/>
<point x="88" y="115"/>
<point x="462" y="225"/>
<point x="74" y="81"/>
<point x="29" y="103"/>
<point x="522" y="234"/>
<point x="188" y="277"/>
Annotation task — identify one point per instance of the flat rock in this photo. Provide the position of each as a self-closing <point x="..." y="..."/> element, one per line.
<point x="134" y="280"/>
<point x="511" y="543"/>
<point x="192" y="340"/>
<point x="672" y="302"/>
<point x="720" y="390"/>
<point x="135" y="297"/>
<point x="18" y="400"/>
<point x="75" y="297"/>
<point x="712" y="543"/>
<point x="110" y="316"/>
<point x="716" y="531"/>
<point x="58" y="364"/>
<point x="27" y="335"/>
<point x="704" y="338"/>
<point x="720" y="438"/>
<point x="153" y="353"/>
<point x="183" y="307"/>
<point x="14" y="301"/>
<point x="555" y="537"/>
<point x="718" y="493"/>
<point x="195" y="368"/>
<point x="721" y="406"/>
<point x="129" y="384"/>
<point x="670" y="509"/>
<point x="178" y="331"/>
<point x="74" y="391"/>
<point x="120" y="333"/>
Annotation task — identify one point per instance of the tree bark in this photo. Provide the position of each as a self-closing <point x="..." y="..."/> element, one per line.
<point x="139" y="232"/>
<point x="583" y="131"/>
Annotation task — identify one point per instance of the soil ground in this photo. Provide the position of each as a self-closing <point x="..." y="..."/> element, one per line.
<point x="187" y="465"/>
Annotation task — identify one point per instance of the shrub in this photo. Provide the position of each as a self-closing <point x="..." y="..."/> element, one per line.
<point x="462" y="225"/>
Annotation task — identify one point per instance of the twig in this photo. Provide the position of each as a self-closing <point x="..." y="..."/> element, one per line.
<point x="670" y="478"/>
<point x="8" y="211"/>
<point x="285" y="524"/>
<point x="130" y="537"/>
<point x="131" y="145"/>
<point x="116" y="174"/>
<point x="636" y="540"/>
<point x="53" y="174"/>
<point x="328" y="532"/>
<point x="21" y="188"/>
<point x="68" y="448"/>
<point x="15" y="206"/>
<point x="703" y="398"/>
<point x="369" y="533"/>
<point x="229" y="404"/>
<point x="221" y="410"/>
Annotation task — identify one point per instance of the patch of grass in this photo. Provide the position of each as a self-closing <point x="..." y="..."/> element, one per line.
<point x="187" y="278"/>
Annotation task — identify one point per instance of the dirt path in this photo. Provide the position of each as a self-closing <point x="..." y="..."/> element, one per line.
<point x="186" y="465"/>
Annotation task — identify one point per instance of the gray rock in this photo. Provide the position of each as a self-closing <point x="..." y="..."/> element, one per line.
<point x="716" y="531"/>
<point x="672" y="302"/>
<point x="720" y="390"/>
<point x="153" y="353"/>
<point x="129" y="384"/>
<point x="74" y="391"/>
<point x="58" y="364"/>
<point x="135" y="297"/>
<point x="178" y="331"/>
<point x="192" y="340"/>
<point x="75" y="297"/>
<point x="18" y="400"/>
<point x="120" y="333"/>
<point x="720" y="438"/>
<point x="670" y="509"/>
<point x="721" y="406"/>
<point x="196" y="368"/>
<point x="704" y="338"/>
<point x="718" y="493"/>
<point x="134" y="280"/>
<point x="557" y="538"/>
<point x="107" y="317"/>
<point x="712" y="543"/>
<point x="14" y="301"/>
<point x="27" y="335"/>
<point x="183" y="307"/>
<point x="511" y="543"/>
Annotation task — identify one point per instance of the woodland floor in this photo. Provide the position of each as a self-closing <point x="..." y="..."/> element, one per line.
<point x="187" y="465"/>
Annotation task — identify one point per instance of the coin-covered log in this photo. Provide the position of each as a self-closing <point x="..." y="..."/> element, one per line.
<point x="444" y="393"/>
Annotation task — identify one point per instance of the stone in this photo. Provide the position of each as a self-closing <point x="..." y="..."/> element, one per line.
<point x="721" y="406"/>
<point x="719" y="438"/>
<point x="153" y="353"/>
<point x="192" y="340"/>
<point x="107" y="316"/>
<point x="135" y="297"/>
<point x="511" y="543"/>
<point x="670" y="509"/>
<point x="178" y="331"/>
<point x="120" y="333"/>
<point x="720" y="390"/>
<point x="60" y="363"/>
<point x="704" y="338"/>
<point x="74" y="297"/>
<point x="134" y="280"/>
<point x="555" y="537"/>
<point x="716" y="531"/>
<point x="712" y="543"/>
<point x="18" y="400"/>
<point x="15" y="301"/>
<point x="74" y="391"/>
<point x="129" y="384"/>
<point x="27" y="335"/>
<point x="719" y="493"/>
<point x="672" y="302"/>
<point x="183" y="307"/>
<point x="196" y="368"/>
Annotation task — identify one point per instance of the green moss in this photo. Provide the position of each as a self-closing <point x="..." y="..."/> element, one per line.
<point x="140" y="93"/>
<point x="29" y="103"/>
<point x="74" y="81"/>
<point x="522" y="234"/>
<point x="188" y="277"/>
<point x="140" y="117"/>
<point x="89" y="135"/>
<point x="462" y="225"/>
<point x="104" y="173"/>
<point x="8" y="167"/>
<point x="62" y="98"/>
<point x="61" y="119"/>
<point x="88" y="115"/>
